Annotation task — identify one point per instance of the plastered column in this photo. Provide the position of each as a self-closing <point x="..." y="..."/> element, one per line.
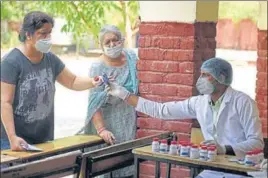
<point x="261" y="83"/>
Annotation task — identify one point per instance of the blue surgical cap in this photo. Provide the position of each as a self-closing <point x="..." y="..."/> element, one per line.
<point x="220" y="69"/>
<point x="109" y="29"/>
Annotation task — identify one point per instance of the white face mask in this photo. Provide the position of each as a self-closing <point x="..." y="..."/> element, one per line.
<point x="113" y="52"/>
<point x="43" y="45"/>
<point x="204" y="86"/>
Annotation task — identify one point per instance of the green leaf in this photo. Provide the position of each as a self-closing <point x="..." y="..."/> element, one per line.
<point x="82" y="17"/>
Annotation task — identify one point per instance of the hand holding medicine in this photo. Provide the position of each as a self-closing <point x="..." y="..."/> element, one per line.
<point x="103" y="79"/>
<point x="220" y="148"/>
<point x="97" y="81"/>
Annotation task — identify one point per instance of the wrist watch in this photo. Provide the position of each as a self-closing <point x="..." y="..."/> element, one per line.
<point x="229" y="150"/>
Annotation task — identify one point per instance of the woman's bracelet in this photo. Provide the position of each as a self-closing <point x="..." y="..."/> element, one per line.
<point x="100" y="130"/>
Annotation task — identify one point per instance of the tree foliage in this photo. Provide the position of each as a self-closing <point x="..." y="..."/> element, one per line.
<point x="82" y="17"/>
<point x="12" y="10"/>
<point x="238" y="10"/>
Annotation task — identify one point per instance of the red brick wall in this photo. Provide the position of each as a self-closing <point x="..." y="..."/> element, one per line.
<point x="241" y="35"/>
<point x="226" y="34"/>
<point x="147" y="170"/>
<point x="170" y="58"/>
<point x="261" y="85"/>
<point x="247" y="35"/>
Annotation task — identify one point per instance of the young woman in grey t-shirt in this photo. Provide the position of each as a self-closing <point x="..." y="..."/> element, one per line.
<point x="28" y="75"/>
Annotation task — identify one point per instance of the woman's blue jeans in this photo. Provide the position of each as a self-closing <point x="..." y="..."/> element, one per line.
<point x="5" y="144"/>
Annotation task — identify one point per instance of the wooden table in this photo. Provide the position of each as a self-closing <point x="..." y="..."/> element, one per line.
<point x="7" y="159"/>
<point x="58" y="146"/>
<point x="221" y="164"/>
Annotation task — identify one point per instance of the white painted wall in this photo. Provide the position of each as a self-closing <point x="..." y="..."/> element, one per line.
<point x="168" y="11"/>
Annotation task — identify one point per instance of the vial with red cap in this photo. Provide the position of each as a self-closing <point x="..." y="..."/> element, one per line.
<point x="203" y="153"/>
<point x="194" y="152"/>
<point x="173" y="148"/>
<point x="155" y="145"/>
<point x="179" y="145"/>
<point x="163" y="146"/>
<point x="212" y="153"/>
<point x="184" y="151"/>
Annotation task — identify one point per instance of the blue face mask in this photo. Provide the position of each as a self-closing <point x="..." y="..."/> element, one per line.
<point x="113" y="52"/>
<point x="204" y="86"/>
<point x="43" y="45"/>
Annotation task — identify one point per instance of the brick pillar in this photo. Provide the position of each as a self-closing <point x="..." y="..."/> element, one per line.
<point x="261" y="83"/>
<point x="175" y="38"/>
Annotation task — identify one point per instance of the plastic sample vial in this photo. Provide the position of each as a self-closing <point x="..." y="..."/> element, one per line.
<point x="194" y="152"/>
<point x="203" y="153"/>
<point x="173" y="148"/>
<point x="155" y="145"/>
<point x="184" y="151"/>
<point x="163" y="146"/>
<point x="212" y="153"/>
<point x="179" y="145"/>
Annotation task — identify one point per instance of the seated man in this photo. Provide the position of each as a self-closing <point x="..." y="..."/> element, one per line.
<point x="228" y="118"/>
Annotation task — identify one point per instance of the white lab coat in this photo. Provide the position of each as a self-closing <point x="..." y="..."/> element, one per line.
<point x="238" y="123"/>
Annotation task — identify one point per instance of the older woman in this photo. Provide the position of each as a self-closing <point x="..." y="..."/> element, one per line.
<point x="109" y="116"/>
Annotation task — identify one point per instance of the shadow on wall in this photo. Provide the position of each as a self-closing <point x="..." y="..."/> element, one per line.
<point x="240" y="36"/>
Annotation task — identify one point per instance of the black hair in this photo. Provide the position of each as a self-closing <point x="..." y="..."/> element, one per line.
<point x="139" y="17"/>
<point x="33" y="21"/>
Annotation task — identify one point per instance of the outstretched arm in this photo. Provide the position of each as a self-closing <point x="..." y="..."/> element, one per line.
<point x="71" y="81"/>
<point x="169" y="110"/>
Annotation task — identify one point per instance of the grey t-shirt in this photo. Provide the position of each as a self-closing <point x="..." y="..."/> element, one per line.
<point x="33" y="105"/>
